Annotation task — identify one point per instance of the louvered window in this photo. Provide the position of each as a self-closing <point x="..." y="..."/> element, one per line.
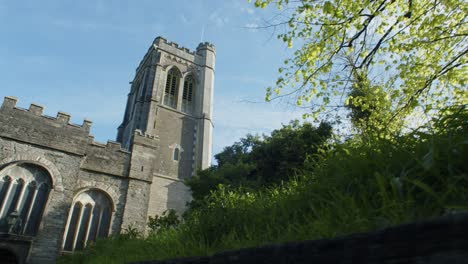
<point x="172" y="84"/>
<point x="187" y="96"/>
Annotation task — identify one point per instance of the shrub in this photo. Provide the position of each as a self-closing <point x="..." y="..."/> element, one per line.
<point x="168" y="219"/>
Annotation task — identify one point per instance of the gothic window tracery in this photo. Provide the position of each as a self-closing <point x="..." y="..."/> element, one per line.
<point x="187" y="96"/>
<point x="24" y="190"/>
<point x="89" y="219"/>
<point x="171" y="89"/>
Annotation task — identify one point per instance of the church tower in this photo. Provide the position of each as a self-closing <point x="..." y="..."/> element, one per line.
<point x="69" y="190"/>
<point x="171" y="98"/>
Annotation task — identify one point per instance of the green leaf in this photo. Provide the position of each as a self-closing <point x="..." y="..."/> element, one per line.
<point x="328" y="7"/>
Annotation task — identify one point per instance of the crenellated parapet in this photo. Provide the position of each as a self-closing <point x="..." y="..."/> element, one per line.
<point x="206" y="45"/>
<point x="62" y="118"/>
<point x="206" y="55"/>
<point x="108" y="158"/>
<point x="170" y="47"/>
<point x="143" y="139"/>
<point x="159" y="41"/>
<point x="138" y="132"/>
<point x="109" y="146"/>
<point x="33" y="127"/>
<point x="203" y="55"/>
<point x="144" y="156"/>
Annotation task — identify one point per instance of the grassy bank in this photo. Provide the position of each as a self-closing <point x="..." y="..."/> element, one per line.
<point x="356" y="186"/>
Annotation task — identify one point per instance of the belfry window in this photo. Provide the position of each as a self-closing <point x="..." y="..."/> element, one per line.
<point x="187" y="96"/>
<point x="24" y="190"/>
<point x="171" y="90"/>
<point x="89" y="219"/>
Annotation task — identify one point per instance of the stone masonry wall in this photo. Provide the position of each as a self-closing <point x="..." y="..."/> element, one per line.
<point x="64" y="170"/>
<point x="75" y="163"/>
<point x="167" y="193"/>
<point x="139" y="183"/>
<point x="175" y="130"/>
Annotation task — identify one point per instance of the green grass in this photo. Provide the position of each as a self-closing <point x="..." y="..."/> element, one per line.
<point x="356" y="186"/>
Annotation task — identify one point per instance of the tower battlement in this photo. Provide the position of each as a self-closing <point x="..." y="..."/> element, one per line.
<point x="176" y="50"/>
<point x="206" y="45"/>
<point x="158" y="41"/>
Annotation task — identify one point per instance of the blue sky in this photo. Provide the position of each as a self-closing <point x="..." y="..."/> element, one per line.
<point x="79" y="56"/>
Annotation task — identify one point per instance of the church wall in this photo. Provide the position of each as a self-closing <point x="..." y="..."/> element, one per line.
<point x="27" y="136"/>
<point x="136" y="205"/>
<point x="65" y="170"/>
<point x="175" y="129"/>
<point x="142" y="164"/>
<point x="142" y="179"/>
<point x="29" y="125"/>
<point x="115" y="187"/>
<point x="167" y="193"/>
<point x="109" y="159"/>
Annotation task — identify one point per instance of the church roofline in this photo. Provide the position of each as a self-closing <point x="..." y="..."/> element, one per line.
<point x="62" y="120"/>
<point x="162" y="43"/>
<point x="159" y="40"/>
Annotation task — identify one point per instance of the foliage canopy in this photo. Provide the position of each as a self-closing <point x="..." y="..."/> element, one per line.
<point x="255" y="162"/>
<point x="415" y="51"/>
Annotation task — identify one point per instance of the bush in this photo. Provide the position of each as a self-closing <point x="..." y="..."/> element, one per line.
<point x="168" y="219"/>
<point x="256" y="162"/>
<point x="129" y="233"/>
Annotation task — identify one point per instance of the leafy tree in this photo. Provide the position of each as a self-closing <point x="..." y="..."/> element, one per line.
<point x="228" y="174"/>
<point x="238" y="152"/>
<point x="281" y="155"/>
<point x="369" y="107"/>
<point x="413" y="49"/>
<point x="253" y="162"/>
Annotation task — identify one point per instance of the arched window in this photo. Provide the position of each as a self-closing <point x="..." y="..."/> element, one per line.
<point x="172" y="85"/>
<point x="187" y="96"/>
<point x="24" y="190"/>
<point x="89" y="219"/>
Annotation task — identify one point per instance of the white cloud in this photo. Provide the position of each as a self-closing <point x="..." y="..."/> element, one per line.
<point x="217" y="19"/>
<point x="252" y="26"/>
<point x="247" y="10"/>
<point x="184" y="19"/>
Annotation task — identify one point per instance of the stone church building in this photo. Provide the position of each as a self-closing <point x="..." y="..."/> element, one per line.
<point x="60" y="190"/>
